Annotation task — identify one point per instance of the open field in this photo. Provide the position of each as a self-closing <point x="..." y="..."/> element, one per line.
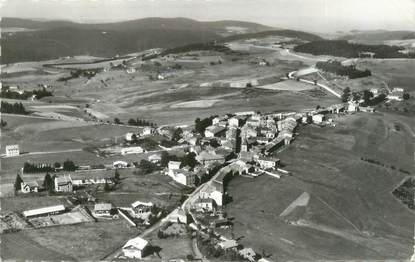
<point x="351" y="213"/>
<point x="88" y="241"/>
<point x="288" y="85"/>
<point x="27" y="202"/>
<point x="176" y="99"/>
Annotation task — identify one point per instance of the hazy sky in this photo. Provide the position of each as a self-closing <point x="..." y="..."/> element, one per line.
<point x="311" y="15"/>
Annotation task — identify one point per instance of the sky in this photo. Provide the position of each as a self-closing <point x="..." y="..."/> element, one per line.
<point x="307" y="15"/>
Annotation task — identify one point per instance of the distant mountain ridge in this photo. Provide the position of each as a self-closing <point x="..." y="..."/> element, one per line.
<point x="178" y="23"/>
<point x="53" y="39"/>
<point x="377" y="36"/>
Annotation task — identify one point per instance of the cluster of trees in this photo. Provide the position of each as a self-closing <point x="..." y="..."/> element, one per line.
<point x="3" y="123"/>
<point x="212" y="45"/>
<point x="6" y="93"/>
<point x="16" y="108"/>
<point x="89" y="73"/>
<point x="32" y="168"/>
<point x="147" y="166"/>
<point x="201" y="124"/>
<point x="187" y="160"/>
<point x="337" y="68"/>
<point x="68" y="165"/>
<point x="405" y="192"/>
<point x="343" y="48"/>
<point x="139" y="122"/>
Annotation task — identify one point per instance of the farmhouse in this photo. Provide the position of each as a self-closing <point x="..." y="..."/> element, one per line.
<point x="172" y="165"/>
<point x="213" y="190"/>
<point x="120" y="164"/>
<point x="206" y="158"/>
<point x="154" y="158"/>
<point x="212" y="131"/>
<point x="103" y="209"/>
<point x="352" y="107"/>
<point x="44" y="211"/>
<point x="247" y="253"/>
<point x="267" y="162"/>
<point x="318" y="119"/>
<point x="63" y="184"/>
<point x="234" y="122"/>
<point x="204" y="205"/>
<point x="135" y="248"/>
<point x="142" y="207"/>
<point x="130" y="137"/>
<point x="12" y="150"/>
<point x="396" y="94"/>
<point x="178" y="216"/>
<point x="132" y="150"/>
<point x="182" y="176"/>
<point x="274" y="145"/>
<point x="28" y="187"/>
<point x="228" y="244"/>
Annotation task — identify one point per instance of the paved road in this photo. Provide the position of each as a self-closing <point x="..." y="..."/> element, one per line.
<point x="290" y="75"/>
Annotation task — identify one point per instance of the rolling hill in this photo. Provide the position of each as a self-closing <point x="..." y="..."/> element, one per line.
<point x="52" y="39"/>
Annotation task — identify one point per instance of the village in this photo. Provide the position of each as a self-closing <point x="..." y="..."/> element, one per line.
<point x="211" y="152"/>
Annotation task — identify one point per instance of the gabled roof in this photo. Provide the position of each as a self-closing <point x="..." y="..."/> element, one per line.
<point x="136" y="243"/>
<point x="102" y="206"/>
<point x="43" y="210"/>
<point x="62" y="180"/>
<point x="139" y="203"/>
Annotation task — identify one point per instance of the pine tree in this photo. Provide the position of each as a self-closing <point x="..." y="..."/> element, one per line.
<point x="18" y="183"/>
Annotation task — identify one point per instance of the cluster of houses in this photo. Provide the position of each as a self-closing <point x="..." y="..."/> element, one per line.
<point x="142" y="132"/>
<point x="66" y="183"/>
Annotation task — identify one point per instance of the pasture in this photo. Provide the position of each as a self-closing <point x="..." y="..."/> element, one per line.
<point x="351" y="213"/>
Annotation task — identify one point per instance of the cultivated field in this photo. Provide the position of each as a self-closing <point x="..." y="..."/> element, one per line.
<point x="351" y="213"/>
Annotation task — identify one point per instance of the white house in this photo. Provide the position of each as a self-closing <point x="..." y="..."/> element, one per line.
<point x="267" y="162"/>
<point x="178" y="216"/>
<point x="28" y="187"/>
<point x="154" y="158"/>
<point x="140" y="207"/>
<point x="172" y="165"/>
<point x="130" y="137"/>
<point x="352" y="107"/>
<point x="318" y="119"/>
<point x="102" y="209"/>
<point x="214" y="191"/>
<point x="374" y="91"/>
<point x="396" y="94"/>
<point x="233" y="121"/>
<point x="135" y="248"/>
<point x="228" y="244"/>
<point x="147" y="131"/>
<point x="120" y="164"/>
<point x="12" y="150"/>
<point x="212" y="131"/>
<point x="63" y="184"/>
<point x="204" y="205"/>
<point x="132" y="150"/>
<point x="248" y="253"/>
<point x="182" y="176"/>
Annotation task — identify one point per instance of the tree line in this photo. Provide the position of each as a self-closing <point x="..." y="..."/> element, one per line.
<point x="68" y="165"/>
<point x="16" y="108"/>
<point x="343" y="48"/>
<point x="337" y="68"/>
<point x="39" y="93"/>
